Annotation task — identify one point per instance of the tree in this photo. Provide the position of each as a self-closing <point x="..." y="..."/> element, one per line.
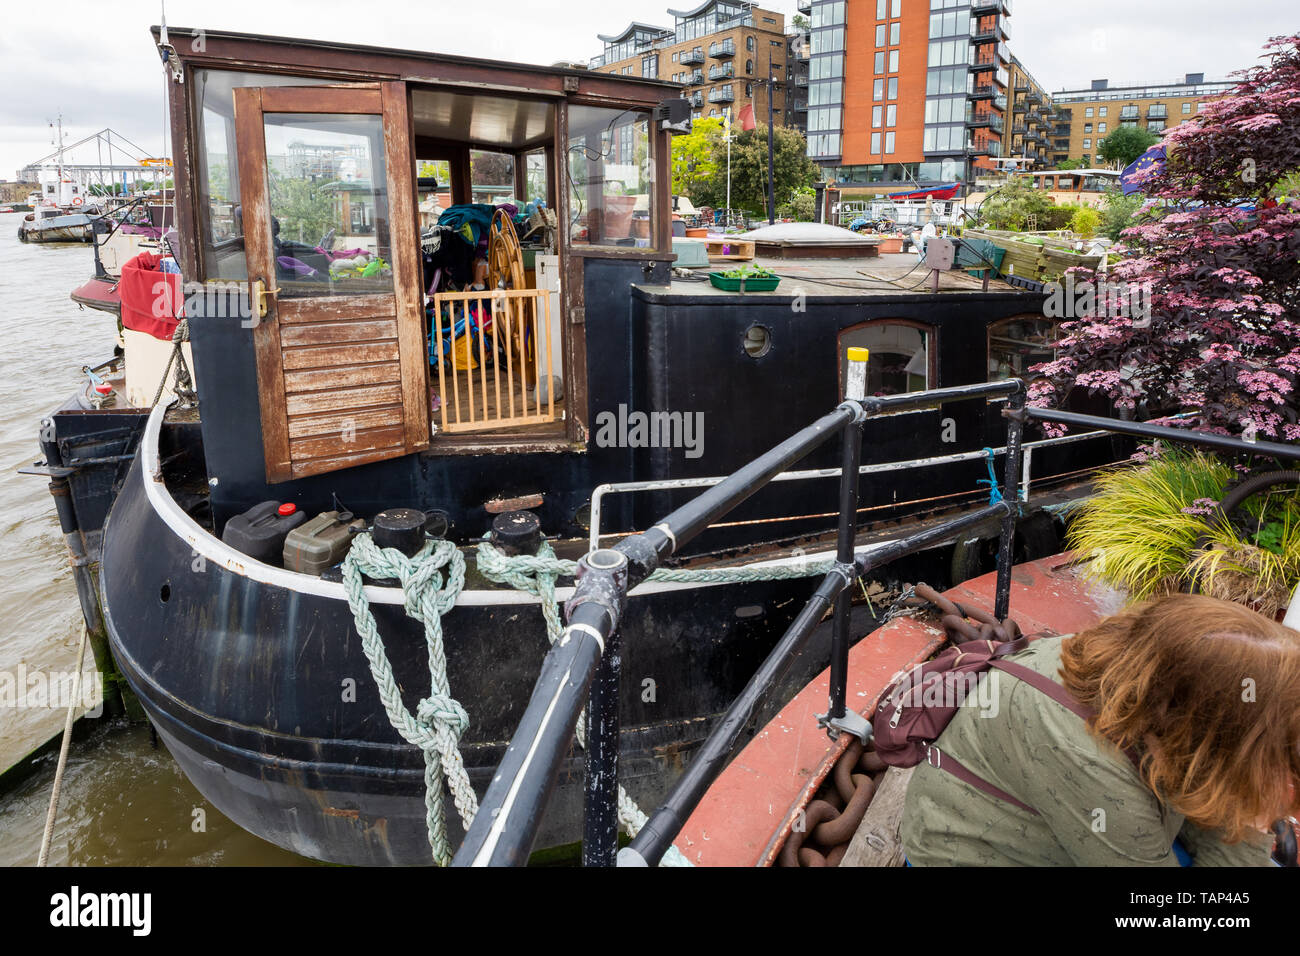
<point x="794" y="170"/>
<point x="695" y="160"/>
<point x="1118" y="212"/>
<point x="1125" y="145"/>
<point x="1071" y="164"/>
<point x="1219" y="335"/>
<point x="1013" y="205"/>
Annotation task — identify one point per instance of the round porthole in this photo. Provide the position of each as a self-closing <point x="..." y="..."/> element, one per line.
<point x="758" y="341"/>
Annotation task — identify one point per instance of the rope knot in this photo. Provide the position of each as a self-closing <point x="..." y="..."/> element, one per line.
<point x="441" y="713"/>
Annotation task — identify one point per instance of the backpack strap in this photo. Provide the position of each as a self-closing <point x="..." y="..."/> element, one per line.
<point x="942" y="761"/>
<point x="1041" y="682"/>
<point x="1045" y="684"/>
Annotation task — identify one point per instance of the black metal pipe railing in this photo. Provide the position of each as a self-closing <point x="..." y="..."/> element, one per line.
<point x="1166" y="433"/>
<point x="511" y="811"/>
<point x="649" y="846"/>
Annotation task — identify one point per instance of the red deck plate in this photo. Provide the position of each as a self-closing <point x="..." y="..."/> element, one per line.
<point x="745" y="815"/>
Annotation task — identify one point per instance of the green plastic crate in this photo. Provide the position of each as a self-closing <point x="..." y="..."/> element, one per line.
<point x="751" y="283"/>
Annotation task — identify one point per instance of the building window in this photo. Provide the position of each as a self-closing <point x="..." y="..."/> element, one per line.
<point x="1187" y="108"/>
<point x="878" y="90"/>
<point x="889" y="140"/>
<point x="650" y="66"/>
<point x="875" y="117"/>
<point x="880" y="62"/>
<point x="1088" y="112"/>
<point x="1156" y="126"/>
<point x="1101" y="111"/>
<point x="675" y="55"/>
<point x="895" y="29"/>
<point x="896" y="8"/>
<point x="749" y="44"/>
<point x="1087" y="127"/>
<point x="880" y="35"/>
<point x="875" y="143"/>
<point x="893" y="61"/>
<point x="1087" y="143"/>
<point x="893" y="88"/>
<point x="891" y="116"/>
<point x="1101" y="127"/>
<point x="880" y="9"/>
<point x="749" y="66"/>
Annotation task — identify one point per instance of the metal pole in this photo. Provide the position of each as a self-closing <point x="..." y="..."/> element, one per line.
<point x="600" y="788"/>
<point x="771" y="162"/>
<point x="852" y="452"/>
<point x="1167" y="433"/>
<point x="1014" y="413"/>
<point x="727" y="219"/>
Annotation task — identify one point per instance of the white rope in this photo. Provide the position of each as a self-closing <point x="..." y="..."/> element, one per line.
<point x="50" y="816"/>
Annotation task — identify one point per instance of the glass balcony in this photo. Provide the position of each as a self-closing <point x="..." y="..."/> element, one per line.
<point x="722" y="96"/>
<point x="696" y="78"/>
<point x="722" y="50"/>
<point x="722" y="72"/>
<point x="1158" y="111"/>
<point x="981" y="91"/>
<point x="693" y="57"/>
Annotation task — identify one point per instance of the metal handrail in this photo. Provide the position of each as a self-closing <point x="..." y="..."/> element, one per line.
<point x="581" y="668"/>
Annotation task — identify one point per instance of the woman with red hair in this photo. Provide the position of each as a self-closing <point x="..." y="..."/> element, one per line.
<point x="1193" y="739"/>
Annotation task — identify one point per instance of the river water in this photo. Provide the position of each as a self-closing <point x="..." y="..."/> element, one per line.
<point x="124" y="801"/>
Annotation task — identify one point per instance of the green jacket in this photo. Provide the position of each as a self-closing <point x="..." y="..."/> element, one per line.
<point x="1094" y="808"/>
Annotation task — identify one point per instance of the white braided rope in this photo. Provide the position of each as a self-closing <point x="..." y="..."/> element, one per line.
<point x="439" y="720"/>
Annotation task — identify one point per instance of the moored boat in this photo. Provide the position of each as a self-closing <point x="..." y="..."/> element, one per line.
<point x="347" y="362"/>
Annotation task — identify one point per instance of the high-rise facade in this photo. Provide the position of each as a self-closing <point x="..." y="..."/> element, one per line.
<point x="907" y="90"/>
<point x="726" y="54"/>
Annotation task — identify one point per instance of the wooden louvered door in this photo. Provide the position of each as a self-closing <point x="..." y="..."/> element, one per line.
<point x="328" y="209"/>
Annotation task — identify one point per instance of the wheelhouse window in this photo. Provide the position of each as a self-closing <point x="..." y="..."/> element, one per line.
<point x="899" y="356"/>
<point x="1018" y="344"/>
<point x="608" y="164"/>
<point x="221" y="233"/>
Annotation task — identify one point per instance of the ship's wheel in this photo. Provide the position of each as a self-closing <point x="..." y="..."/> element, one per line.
<point x="506" y="271"/>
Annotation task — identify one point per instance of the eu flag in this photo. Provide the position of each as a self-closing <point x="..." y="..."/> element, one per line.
<point x="1133" y="179"/>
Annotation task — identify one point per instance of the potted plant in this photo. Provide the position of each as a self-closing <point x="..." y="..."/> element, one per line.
<point x="1180" y="522"/>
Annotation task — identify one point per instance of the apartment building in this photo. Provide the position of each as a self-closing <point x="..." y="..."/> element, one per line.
<point x="723" y="52"/>
<point x="907" y="90"/>
<point x="1096" y="112"/>
<point x="1037" y="128"/>
<point x="797" y="55"/>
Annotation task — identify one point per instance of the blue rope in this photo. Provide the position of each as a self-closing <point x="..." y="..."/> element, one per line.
<point x="995" y="492"/>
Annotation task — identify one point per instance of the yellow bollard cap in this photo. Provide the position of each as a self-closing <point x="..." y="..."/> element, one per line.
<point x="859" y="355"/>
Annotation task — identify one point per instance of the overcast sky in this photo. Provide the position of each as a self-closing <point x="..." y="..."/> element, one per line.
<point x="102" y="71"/>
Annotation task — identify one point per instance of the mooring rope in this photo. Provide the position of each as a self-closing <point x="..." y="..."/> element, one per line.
<point x="62" y="765"/>
<point x="439" y="721"/>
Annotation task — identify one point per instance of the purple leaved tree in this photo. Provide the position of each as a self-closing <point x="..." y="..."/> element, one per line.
<point x="1220" y="257"/>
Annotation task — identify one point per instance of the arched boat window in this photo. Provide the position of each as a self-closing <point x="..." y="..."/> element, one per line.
<point x="1018" y="344"/>
<point x="900" y="355"/>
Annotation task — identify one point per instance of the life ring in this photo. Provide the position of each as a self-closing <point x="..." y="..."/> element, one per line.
<point x="77" y="200"/>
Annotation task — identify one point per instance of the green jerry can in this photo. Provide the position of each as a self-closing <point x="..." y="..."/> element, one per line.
<point x="321" y="542"/>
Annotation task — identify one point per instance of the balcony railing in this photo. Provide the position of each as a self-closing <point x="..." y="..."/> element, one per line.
<point x="981" y="91"/>
<point x="722" y="72"/>
<point x="804" y="6"/>
<point x="697" y="99"/>
<point x="1000" y="101"/>
<point x="695" y="78"/>
<point x="801" y="80"/>
<point x="1158" y="112"/>
<point x="1033" y="96"/>
<point x="1128" y="113"/>
<point x="984" y="61"/>
<point x="692" y="57"/>
<point x="724" y="49"/>
<point x="722" y="96"/>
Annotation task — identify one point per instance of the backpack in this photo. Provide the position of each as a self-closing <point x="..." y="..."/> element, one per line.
<point x="913" y="711"/>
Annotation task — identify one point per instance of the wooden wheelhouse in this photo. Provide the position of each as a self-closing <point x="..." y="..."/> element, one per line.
<point x="290" y="151"/>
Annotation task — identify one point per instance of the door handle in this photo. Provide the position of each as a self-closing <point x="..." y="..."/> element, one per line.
<point x="258" y="293"/>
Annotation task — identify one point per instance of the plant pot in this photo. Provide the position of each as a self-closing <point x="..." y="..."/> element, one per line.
<point x="745" y="284"/>
<point x="618" y="216"/>
<point x="697" y="233"/>
<point x="890" y="245"/>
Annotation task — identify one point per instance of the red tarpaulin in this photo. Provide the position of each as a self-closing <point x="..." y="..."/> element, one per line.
<point x="151" y="298"/>
<point x="746" y="116"/>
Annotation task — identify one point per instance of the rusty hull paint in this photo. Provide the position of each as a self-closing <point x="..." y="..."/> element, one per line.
<point x="747" y="814"/>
